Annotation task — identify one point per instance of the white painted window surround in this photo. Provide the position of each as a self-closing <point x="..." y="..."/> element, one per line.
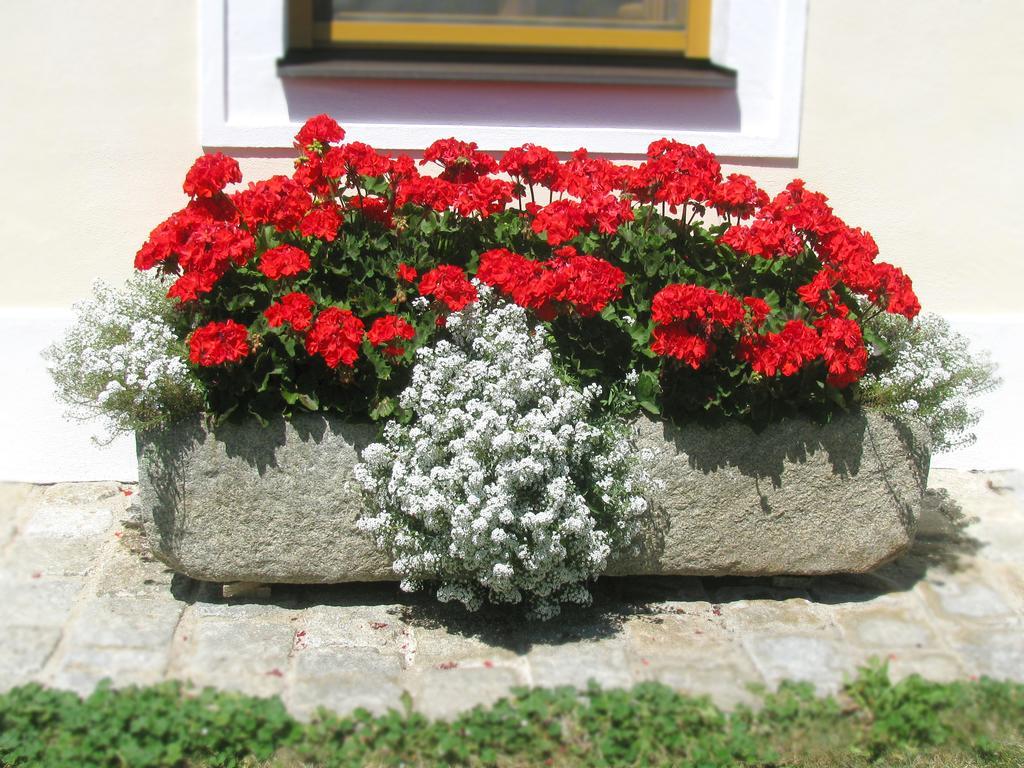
<point x="244" y="104"/>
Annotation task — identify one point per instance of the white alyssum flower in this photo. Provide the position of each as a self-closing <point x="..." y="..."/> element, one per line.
<point x="933" y="375"/>
<point x="502" y="487"/>
<point x="123" y="359"/>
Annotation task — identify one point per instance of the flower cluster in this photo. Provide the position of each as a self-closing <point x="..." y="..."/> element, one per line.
<point x="570" y="281"/>
<point x="284" y="261"/>
<point x="123" y="359"/>
<point x="784" y="353"/>
<point x="500" y="488"/>
<point x="797" y="219"/>
<point x="388" y="332"/>
<point x="929" y="372"/>
<point x="293" y="309"/>
<point x="210" y="174"/>
<point x="449" y="285"/>
<point x="687" y="317"/>
<point x="219" y="343"/>
<point x="336" y="336"/>
<point x="341" y="269"/>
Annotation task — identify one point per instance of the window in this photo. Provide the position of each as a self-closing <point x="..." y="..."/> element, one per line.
<point x="245" y="102"/>
<point x="638" y="27"/>
<point x="649" y="42"/>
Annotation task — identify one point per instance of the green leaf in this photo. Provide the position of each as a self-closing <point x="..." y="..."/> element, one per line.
<point x="650" y="406"/>
<point x="641" y="333"/>
<point x="382" y="409"/>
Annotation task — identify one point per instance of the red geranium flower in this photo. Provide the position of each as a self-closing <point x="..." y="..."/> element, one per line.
<point x="785" y="352"/>
<point x="427" y="191"/>
<point x="388" y="329"/>
<point x="169" y="237"/>
<point x="209" y="175"/>
<point x="606" y="213"/>
<point x="484" y="196"/>
<point x="358" y="157"/>
<point x="462" y="162"/>
<point x="320" y="128"/>
<point x="531" y="164"/>
<point x="449" y="285"/>
<point x="405" y="273"/>
<point x="589" y="283"/>
<point x="703" y="306"/>
<point x="295" y="309"/>
<point x="818" y="294"/>
<point x="336" y="335"/>
<point x="899" y="292"/>
<point x="517" y="277"/>
<point x="675" y="174"/>
<point x="843" y="349"/>
<point x="759" y="310"/>
<point x="216" y="208"/>
<point x="687" y="316"/>
<point x="738" y="196"/>
<point x="585" y="176"/>
<point x="763" y="237"/>
<point x="217" y="343"/>
<point x="284" y="261"/>
<point x="374" y="209"/>
<point x="801" y="209"/>
<point x="324" y="221"/>
<point x="213" y="246"/>
<point x="560" y="221"/>
<point x="678" y="341"/>
<point x="310" y="173"/>
<point x="279" y="200"/>
<point x="191" y="285"/>
<point x="163" y="242"/>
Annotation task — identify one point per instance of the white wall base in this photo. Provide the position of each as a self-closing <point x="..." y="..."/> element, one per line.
<point x="999" y="444"/>
<point x="41" y="446"/>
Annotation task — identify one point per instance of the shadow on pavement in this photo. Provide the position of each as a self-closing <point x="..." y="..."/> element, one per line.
<point x="941" y="543"/>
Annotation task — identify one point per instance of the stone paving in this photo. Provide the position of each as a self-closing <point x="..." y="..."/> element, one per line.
<point x="80" y="601"/>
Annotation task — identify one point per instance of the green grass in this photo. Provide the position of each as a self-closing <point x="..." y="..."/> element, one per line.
<point x="912" y="723"/>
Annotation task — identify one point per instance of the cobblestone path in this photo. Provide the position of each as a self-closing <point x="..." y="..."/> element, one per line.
<point x="79" y="601"/>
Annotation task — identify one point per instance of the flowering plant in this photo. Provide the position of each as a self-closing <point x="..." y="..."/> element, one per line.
<point x="301" y="291"/>
<point x="502" y="487"/>
<point x="123" y="360"/>
<point x="930" y="374"/>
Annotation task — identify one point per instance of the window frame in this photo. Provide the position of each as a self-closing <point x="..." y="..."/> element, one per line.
<point x="244" y="104"/>
<point x="693" y="41"/>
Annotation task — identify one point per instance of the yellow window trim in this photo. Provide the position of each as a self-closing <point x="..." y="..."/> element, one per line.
<point x="432" y="35"/>
<point x="698" y="25"/>
<point x="693" y="42"/>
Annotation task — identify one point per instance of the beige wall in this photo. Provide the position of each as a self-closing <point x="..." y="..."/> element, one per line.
<point x="99" y="124"/>
<point x="912" y="124"/>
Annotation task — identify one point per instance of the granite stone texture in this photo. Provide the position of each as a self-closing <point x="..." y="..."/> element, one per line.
<point x="278" y="504"/>
<point x="797" y="498"/>
<point x="275" y="504"/>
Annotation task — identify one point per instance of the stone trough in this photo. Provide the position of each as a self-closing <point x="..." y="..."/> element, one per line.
<point x="278" y="504"/>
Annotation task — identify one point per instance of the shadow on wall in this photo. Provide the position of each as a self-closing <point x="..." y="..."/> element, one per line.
<point x="516" y="105"/>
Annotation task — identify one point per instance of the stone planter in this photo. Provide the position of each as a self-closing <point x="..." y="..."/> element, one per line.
<point x="278" y="504"/>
